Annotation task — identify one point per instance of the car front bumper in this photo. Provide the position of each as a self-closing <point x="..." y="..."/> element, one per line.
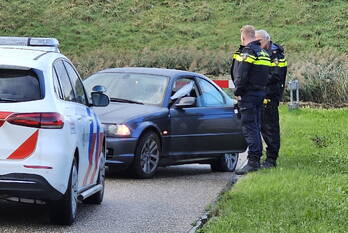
<point x="120" y="151"/>
<point x="27" y="186"/>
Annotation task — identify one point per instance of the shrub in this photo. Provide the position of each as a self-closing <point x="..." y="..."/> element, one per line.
<point x="322" y="74"/>
<point x="202" y="61"/>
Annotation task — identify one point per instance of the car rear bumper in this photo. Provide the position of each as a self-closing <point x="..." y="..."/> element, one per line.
<point x="120" y="151"/>
<point x="27" y="186"/>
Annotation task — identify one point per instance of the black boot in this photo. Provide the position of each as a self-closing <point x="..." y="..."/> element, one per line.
<point x="251" y="166"/>
<point x="269" y="163"/>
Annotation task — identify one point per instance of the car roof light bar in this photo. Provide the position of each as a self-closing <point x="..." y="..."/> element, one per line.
<point x="29" y="41"/>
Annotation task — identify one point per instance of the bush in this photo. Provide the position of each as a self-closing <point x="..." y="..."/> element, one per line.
<point x="323" y="74"/>
<point x="201" y="61"/>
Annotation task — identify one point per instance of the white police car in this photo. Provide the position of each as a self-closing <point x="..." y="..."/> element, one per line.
<point x="52" y="144"/>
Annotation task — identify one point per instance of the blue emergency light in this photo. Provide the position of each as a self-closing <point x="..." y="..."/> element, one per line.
<point x="29" y="41"/>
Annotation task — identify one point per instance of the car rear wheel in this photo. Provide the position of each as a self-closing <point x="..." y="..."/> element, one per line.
<point x="147" y="156"/>
<point x="226" y="163"/>
<point x="97" y="198"/>
<point x="64" y="211"/>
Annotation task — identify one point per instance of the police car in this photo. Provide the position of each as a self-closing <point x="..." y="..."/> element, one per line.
<point x="52" y="144"/>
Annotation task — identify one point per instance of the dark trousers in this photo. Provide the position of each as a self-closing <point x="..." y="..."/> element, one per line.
<point x="270" y="128"/>
<point x="251" y="126"/>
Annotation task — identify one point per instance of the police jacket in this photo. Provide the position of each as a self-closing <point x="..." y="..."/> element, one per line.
<point x="276" y="81"/>
<point x="250" y="69"/>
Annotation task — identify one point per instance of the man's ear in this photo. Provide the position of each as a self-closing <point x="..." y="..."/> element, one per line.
<point x="243" y="39"/>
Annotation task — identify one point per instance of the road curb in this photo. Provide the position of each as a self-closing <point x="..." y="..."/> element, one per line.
<point x="204" y="218"/>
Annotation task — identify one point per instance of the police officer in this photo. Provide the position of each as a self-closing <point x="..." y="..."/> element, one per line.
<point x="249" y="71"/>
<point x="275" y="86"/>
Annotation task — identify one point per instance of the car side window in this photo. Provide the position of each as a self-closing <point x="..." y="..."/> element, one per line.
<point x="67" y="89"/>
<point x="181" y="83"/>
<point x="210" y="95"/>
<point x="76" y="84"/>
<point x="184" y="87"/>
<point x="56" y="84"/>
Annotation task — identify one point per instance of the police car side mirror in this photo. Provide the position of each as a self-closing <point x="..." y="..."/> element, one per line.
<point x="186" y="102"/>
<point x="100" y="99"/>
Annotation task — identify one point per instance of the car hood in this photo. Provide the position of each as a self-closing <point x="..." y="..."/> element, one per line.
<point x="122" y="112"/>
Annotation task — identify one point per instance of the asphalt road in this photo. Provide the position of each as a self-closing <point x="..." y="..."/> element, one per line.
<point x="170" y="202"/>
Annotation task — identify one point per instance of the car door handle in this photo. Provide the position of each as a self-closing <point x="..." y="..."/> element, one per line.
<point x="79" y="118"/>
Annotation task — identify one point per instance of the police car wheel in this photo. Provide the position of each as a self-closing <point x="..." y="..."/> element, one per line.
<point x="147" y="156"/>
<point x="226" y="163"/>
<point x="63" y="211"/>
<point x="97" y="198"/>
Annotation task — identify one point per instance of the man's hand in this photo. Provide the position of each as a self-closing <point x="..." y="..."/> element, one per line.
<point x="238" y="98"/>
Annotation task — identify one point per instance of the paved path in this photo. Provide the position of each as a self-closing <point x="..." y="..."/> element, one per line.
<point x="170" y="202"/>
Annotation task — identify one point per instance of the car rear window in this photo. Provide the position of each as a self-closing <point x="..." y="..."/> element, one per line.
<point x="19" y="86"/>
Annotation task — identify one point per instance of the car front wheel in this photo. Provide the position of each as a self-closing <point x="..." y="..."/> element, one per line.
<point x="147" y="156"/>
<point x="226" y="163"/>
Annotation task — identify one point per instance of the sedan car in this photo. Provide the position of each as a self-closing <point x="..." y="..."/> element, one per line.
<point x="160" y="117"/>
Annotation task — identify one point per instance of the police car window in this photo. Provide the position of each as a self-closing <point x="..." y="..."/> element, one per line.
<point x="68" y="92"/>
<point x="210" y="95"/>
<point x="19" y="86"/>
<point x="76" y="83"/>
<point x="57" y="88"/>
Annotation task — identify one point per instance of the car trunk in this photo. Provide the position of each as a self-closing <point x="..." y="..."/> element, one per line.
<point x="18" y="130"/>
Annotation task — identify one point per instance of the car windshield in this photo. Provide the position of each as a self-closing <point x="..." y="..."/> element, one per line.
<point x="130" y="87"/>
<point x="18" y="86"/>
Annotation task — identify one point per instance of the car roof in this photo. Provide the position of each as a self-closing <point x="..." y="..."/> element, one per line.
<point x="155" y="71"/>
<point x="23" y="56"/>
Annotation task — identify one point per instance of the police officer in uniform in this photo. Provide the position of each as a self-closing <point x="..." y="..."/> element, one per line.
<point x="249" y="71"/>
<point x="275" y="86"/>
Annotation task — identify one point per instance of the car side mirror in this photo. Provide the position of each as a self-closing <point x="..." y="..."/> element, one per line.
<point x="100" y="99"/>
<point x="99" y="89"/>
<point x="186" y="102"/>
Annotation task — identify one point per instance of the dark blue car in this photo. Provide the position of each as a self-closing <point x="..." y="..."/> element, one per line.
<point x="160" y="117"/>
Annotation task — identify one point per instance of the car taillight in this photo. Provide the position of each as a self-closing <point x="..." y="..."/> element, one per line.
<point x="45" y="120"/>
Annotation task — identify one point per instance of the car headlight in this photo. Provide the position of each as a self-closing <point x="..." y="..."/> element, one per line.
<point x="114" y="130"/>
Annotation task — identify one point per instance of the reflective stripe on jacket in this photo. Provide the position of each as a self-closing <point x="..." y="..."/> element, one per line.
<point x="250" y="68"/>
<point x="276" y="81"/>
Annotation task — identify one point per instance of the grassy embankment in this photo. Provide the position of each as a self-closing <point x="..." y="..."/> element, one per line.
<point x="132" y="25"/>
<point x="307" y="192"/>
<point x="192" y="35"/>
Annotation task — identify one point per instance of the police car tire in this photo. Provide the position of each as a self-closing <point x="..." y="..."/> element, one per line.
<point x="221" y="165"/>
<point x="98" y="197"/>
<point x="136" y="169"/>
<point x="61" y="211"/>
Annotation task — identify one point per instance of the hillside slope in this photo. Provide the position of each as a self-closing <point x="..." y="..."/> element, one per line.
<point x="194" y="35"/>
<point x="132" y="25"/>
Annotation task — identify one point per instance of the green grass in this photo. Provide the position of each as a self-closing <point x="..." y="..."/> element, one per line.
<point x="132" y="25"/>
<point x="307" y="192"/>
<point x="197" y="35"/>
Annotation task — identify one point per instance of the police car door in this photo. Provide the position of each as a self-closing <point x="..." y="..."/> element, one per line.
<point x="75" y="114"/>
<point x="91" y="141"/>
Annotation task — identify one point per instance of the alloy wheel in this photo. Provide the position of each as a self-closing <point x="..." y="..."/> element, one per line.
<point x="231" y="160"/>
<point x="149" y="155"/>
